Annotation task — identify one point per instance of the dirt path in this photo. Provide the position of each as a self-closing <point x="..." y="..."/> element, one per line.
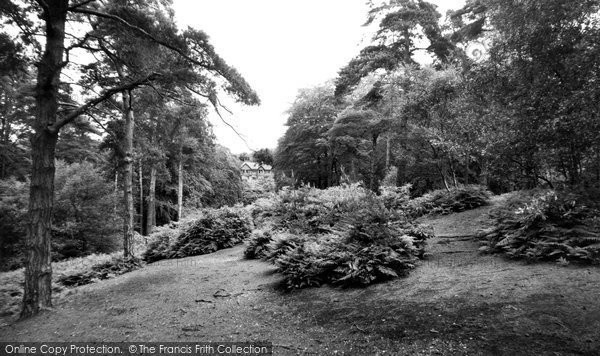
<point x="458" y="302"/>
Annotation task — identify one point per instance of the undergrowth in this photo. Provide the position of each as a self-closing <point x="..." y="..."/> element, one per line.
<point x="443" y="202"/>
<point x="547" y="225"/>
<point x="64" y="273"/>
<point x="116" y="266"/>
<point x="213" y="230"/>
<point x="342" y="236"/>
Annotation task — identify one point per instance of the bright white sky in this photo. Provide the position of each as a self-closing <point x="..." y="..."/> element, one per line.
<point x="279" y="46"/>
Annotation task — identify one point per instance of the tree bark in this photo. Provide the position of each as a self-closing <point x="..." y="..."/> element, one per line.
<point x="483" y="178"/>
<point x="180" y="186"/>
<point x="38" y="268"/>
<point x="373" y="157"/>
<point x="151" y="208"/>
<point x="467" y="164"/>
<point x="129" y="215"/>
<point x="387" y="154"/>
<point x="598" y="168"/>
<point x="5" y="134"/>
<point x="116" y="191"/>
<point x="141" y="185"/>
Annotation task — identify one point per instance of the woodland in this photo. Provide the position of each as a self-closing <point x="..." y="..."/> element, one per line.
<point x="109" y="164"/>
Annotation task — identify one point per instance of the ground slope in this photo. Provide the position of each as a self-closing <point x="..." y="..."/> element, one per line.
<point x="458" y="302"/>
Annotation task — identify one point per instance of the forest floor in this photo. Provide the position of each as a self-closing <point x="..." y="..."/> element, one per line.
<point x="457" y="302"/>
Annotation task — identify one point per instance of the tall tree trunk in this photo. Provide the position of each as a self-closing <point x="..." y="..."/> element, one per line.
<point x="5" y="134"/>
<point x="128" y="217"/>
<point x="467" y="163"/>
<point x="151" y="212"/>
<point x="141" y="183"/>
<point x="38" y="268"/>
<point x="387" y="154"/>
<point x="483" y="178"/>
<point x="180" y="185"/>
<point x="598" y="167"/>
<point x="453" y="171"/>
<point x="373" y="157"/>
<point x="116" y="191"/>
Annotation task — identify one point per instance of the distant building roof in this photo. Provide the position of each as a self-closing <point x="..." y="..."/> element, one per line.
<point x="256" y="166"/>
<point x="250" y="165"/>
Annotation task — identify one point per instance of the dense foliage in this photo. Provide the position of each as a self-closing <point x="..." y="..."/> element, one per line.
<point x="257" y="187"/>
<point x="11" y="283"/>
<point x="85" y="215"/>
<point x="215" y="229"/>
<point x="342" y="235"/>
<point x="444" y="202"/>
<point x="85" y="212"/>
<point x="105" y="270"/>
<point x="13" y="207"/>
<point x="506" y="99"/>
<point x="547" y="225"/>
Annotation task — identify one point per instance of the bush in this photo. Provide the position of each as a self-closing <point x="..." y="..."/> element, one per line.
<point x="257" y="188"/>
<point x="365" y="254"/>
<point x="547" y="225"/>
<point x="257" y="245"/>
<point x="395" y="197"/>
<point x="312" y="210"/>
<point x="343" y="236"/>
<point x="448" y="201"/>
<point x="72" y="272"/>
<point x="118" y="265"/>
<point x="159" y="244"/>
<point x="215" y="230"/>
<point x="263" y="209"/>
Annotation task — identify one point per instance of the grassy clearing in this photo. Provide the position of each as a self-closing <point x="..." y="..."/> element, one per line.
<point x="453" y="304"/>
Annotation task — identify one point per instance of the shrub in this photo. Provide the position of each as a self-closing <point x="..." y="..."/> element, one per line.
<point x="215" y="230"/>
<point x="263" y="209"/>
<point x="350" y="260"/>
<point x="71" y="272"/>
<point x="306" y="262"/>
<point x="343" y="235"/>
<point x="448" y="201"/>
<point x="118" y="265"/>
<point x="257" y="188"/>
<point x="159" y="244"/>
<point x="375" y="263"/>
<point x="316" y="211"/>
<point x="547" y="225"/>
<point x="257" y="245"/>
<point x="395" y="197"/>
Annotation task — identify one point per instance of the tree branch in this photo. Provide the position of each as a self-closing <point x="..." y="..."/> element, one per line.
<point x="215" y="104"/>
<point x="73" y="7"/>
<point x="54" y="128"/>
<point x="144" y="33"/>
<point x="43" y="4"/>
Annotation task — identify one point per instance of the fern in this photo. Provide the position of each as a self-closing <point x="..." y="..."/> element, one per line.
<point x="545" y="225"/>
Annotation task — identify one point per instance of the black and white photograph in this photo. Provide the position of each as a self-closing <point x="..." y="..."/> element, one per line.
<point x="299" y="177"/>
